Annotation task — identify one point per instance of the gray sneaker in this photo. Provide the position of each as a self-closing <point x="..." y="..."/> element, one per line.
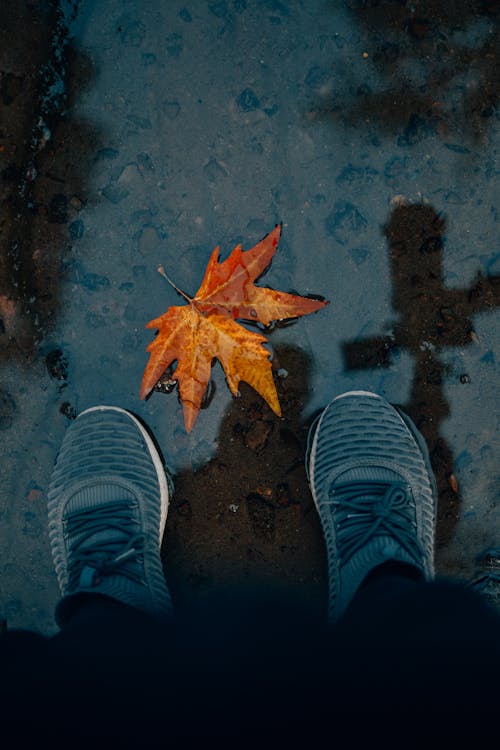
<point x="374" y="489"/>
<point x="108" y="502"/>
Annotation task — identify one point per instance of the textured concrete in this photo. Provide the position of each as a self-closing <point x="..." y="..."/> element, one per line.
<point x="373" y="139"/>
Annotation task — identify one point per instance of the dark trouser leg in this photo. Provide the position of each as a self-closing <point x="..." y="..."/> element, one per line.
<point x="408" y="661"/>
<point x="114" y="672"/>
<point x="20" y="661"/>
<point x="100" y="676"/>
<point x="423" y="657"/>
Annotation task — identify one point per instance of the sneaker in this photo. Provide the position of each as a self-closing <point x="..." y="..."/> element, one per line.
<point x="107" y="506"/>
<point x="374" y="489"/>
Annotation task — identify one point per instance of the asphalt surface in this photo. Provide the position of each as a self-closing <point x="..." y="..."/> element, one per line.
<point x="134" y="134"/>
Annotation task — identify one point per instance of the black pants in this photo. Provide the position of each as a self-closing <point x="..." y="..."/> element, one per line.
<point x="410" y="663"/>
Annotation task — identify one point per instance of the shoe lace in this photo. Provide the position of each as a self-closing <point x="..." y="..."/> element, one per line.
<point x="369" y="508"/>
<point x="91" y="556"/>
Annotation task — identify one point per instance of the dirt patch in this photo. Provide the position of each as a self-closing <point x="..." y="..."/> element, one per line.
<point x="247" y="518"/>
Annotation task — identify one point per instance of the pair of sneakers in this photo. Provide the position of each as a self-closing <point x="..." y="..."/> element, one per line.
<point x="368" y="469"/>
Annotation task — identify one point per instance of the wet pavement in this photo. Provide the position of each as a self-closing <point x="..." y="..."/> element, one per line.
<point x="156" y="131"/>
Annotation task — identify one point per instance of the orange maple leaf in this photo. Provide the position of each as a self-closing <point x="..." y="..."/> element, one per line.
<point x="206" y="328"/>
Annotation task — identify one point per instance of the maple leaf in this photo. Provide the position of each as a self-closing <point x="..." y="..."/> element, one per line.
<point x="206" y="328"/>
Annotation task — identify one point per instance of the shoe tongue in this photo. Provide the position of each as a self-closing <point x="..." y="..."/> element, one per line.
<point x="379" y="549"/>
<point x="96" y="496"/>
<point x="368" y="473"/>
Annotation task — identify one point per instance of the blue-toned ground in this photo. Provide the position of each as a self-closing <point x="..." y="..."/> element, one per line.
<point x="371" y="132"/>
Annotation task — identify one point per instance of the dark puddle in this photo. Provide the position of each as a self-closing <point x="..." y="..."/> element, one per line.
<point x="247" y="517"/>
<point x="44" y="151"/>
<point x="437" y="68"/>
<point x="431" y="317"/>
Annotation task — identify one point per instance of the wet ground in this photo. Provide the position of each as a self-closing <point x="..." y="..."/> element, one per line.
<point x="133" y="134"/>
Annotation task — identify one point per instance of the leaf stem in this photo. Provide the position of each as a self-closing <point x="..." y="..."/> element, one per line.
<point x="161" y="271"/>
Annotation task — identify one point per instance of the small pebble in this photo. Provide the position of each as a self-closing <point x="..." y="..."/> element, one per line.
<point x="68" y="410"/>
<point x="75" y="203"/>
<point x="31" y="172"/>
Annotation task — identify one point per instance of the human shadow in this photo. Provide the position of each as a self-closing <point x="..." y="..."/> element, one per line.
<point x="431" y="317"/>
